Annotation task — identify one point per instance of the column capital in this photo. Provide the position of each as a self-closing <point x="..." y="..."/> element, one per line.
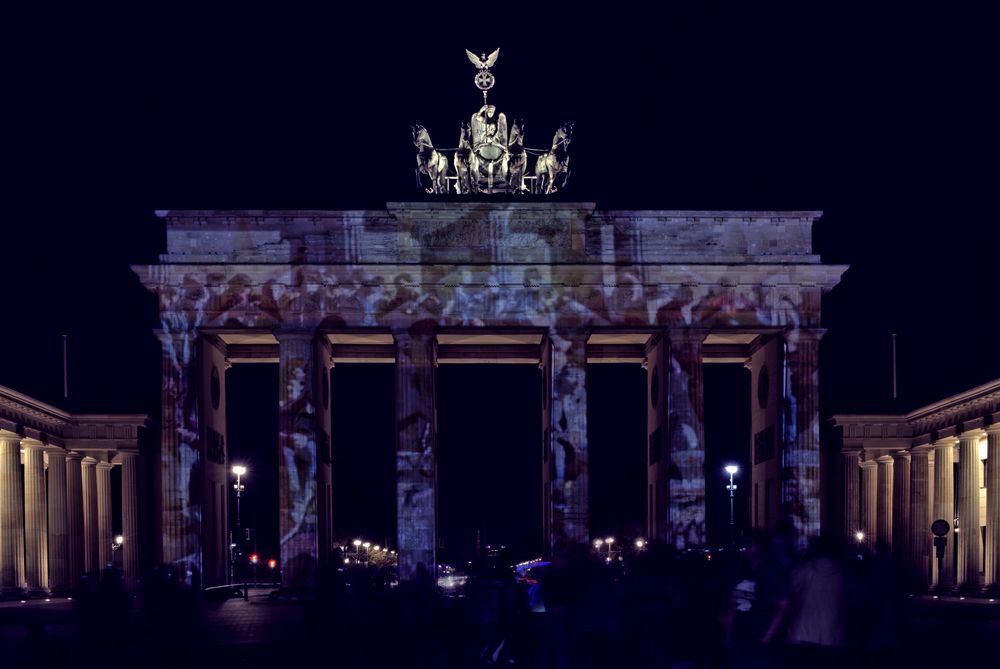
<point x="945" y="442"/>
<point x="900" y="455"/>
<point x="867" y="464"/>
<point x="87" y="460"/>
<point x="105" y="465"/>
<point x="7" y="435"/>
<point x="975" y="433"/>
<point x="128" y="454"/>
<point x="992" y="429"/>
<point x="884" y="460"/>
<point x="923" y="448"/>
<point x="73" y="455"/>
<point x="851" y="450"/>
<point x="29" y="442"/>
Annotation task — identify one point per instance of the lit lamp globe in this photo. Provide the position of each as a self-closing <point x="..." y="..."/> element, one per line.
<point x="860" y="536"/>
<point x="119" y="540"/>
<point x="356" y="542"/>
<point x="732" y="469"/>
<point x="239" y="470"/>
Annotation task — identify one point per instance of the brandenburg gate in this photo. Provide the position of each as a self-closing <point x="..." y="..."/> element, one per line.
<point x="558" y="285"/>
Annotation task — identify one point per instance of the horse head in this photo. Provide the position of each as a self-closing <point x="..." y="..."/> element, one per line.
<point x="516" y="132"/>
<point x="420" y="135"/>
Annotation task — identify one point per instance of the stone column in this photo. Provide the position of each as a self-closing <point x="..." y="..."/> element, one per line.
<point x="11" y="516"/>
<point x="657" y="443"/>
<point x="686" y="487"/>
<point x="130" y="518"/>
<point x="883" y="505"/>
<point x="850" y="494"/>
<point x="801" y="470"/>
<point x="900" y="507"/>
<point x="59" y="579"/>
<point x="921" y="539"/>
<point x="297" y="462"/>
<point x="74" y="518"/>
<point x="104" y="514"/>
<point x="416" y="450"/>
<point x="36" y="563"/>
<point x="969" y="553"/>
<point x="992" y="579"/>
<point x="91" y="554"/>
<point x="869" y="494"/>
<point x="944" y="503"/>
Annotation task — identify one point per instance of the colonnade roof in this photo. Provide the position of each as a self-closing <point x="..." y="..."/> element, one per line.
<point x="34" y="419"/>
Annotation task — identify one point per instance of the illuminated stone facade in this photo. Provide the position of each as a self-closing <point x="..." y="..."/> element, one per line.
<point x="941" y="461"/>
<point x="55" y="511"/>
<point x="560" y="285"/>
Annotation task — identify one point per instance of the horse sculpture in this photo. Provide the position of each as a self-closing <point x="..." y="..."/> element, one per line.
<point x="430" y="162"/>
<point x="517" y="157"/>
<point x="552" y="168"/>
<point x="461" y="160"/>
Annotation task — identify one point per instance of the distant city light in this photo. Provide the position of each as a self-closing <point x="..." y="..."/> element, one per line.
<point x="639" y="543"/>
<point x="598" y="543"/>
<point x="272" y="563"/>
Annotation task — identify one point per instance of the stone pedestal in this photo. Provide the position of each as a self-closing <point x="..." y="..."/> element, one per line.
<point x="74" y="518"/>
<point x="921" y="542"/>
<point x="297" y="462"/>
<point x="801" y="470"/>
<point x="849" y="479"/>
<point x="944" y="505"/>
<point x="993" y="506"/>
<point x="686" y="487"/>
<point x="11" y="516"/>
<point x="36" y="541"/>
<point x="58" y="526"/>
<point x="130" y="519"/>
<point x="416" y="446"/>
<point x="969" y="539"/>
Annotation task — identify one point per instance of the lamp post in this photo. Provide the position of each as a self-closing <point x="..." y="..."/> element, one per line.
<point x="731" y="470"/>
<point x="239" y="470"/>
<point x="860" y="536"/>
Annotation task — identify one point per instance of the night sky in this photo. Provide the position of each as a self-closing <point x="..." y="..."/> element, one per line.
<point x="883" y="119"/>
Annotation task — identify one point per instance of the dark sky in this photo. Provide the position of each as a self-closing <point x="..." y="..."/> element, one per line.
<point x="882" y="118"/>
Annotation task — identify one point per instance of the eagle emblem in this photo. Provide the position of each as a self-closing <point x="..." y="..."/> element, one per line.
<point x="483" y="62"/>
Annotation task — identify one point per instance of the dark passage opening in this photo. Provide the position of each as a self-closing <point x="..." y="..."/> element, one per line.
<point x="489" y="460"/>
<point x="727" y="441"/>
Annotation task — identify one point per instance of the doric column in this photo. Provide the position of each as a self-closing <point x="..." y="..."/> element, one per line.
<point x="91" y="554"/>
<point x="850" y="493"/>
<point x="59" y="579"/>
<point x="104" y="514"/>
<point x="74" y="518"/>
<point x="801" y="469"/>
<point x="36" y="563"/>
<point x="130" y="518"/>
<point x="900" y="506"/>
<point x="686" y="487"/>
<point x="969" y="539"/>
<point x="298" y="461"/>
<point x="921" y="539"/>
<point x="416" y="450"/>
<point x="944" y="503"/>
<point x="869" y="494"/>
<point x="993" y="505"/>
<point x="11" y="515"/>
<point x="883" y="505"/>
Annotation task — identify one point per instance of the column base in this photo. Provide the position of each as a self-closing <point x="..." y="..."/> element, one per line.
<point x="13" y="593"/>
<point x="38" y="593"/>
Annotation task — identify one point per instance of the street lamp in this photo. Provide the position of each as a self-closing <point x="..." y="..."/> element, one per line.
<point x="239" y="470"/>
<point x="731" y="470"/>
<point x="859" y="536"/>
<point x="640" y="544"/>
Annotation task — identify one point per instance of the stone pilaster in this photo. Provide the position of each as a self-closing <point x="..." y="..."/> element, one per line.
<point x="36" y="541"/>
<point x="801" y="471"/>
<point x="416" y="450"/>
<point x="883" y="505"/>
<point x="869" y="495"/>
<point x="58" y="531"/>
<point x="944" y="504"/>
<point x="969" y="540"/>
<point x="11" y="515"/>
<point x="993" y="506"/>
<point x="91" y="552"/>
<point x="900" y="506"/>
<point x="686" y="487"/>
<point x="921" y="540"/>
<point x="74" y="518"/>
<point x="850" y="493"/>
<point x="181" y="467"/>
<point x="131" y="539"/>
<point x="104" y="514"/>
<point x="297" y="462"/>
